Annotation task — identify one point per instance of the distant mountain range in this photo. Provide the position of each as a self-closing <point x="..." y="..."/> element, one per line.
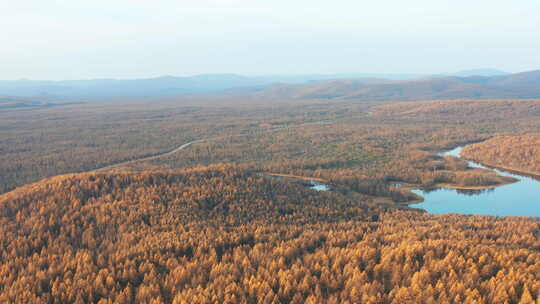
<point x="10" y="103"/>
<point x="480" y="83"/>
<point x="520" y="85"/>
<point x="163" y="86"/>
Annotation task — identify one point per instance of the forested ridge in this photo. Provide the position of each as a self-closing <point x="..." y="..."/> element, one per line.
<point x="465" y="110"/>
<point x="222" y="235"/>
<point x="514" y="152"/>
<point x="520" y="85"/>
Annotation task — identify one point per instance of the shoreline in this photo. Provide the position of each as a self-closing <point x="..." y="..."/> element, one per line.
<point x="524" y="173"/>
<point x="420" y="198"/>
<point x="457" y="187"/>
<point x="514" y="171"/>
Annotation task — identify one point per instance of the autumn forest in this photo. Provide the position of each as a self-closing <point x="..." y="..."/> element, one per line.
<point x="208" y="200"/>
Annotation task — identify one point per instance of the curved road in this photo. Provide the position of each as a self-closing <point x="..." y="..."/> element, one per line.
<point x="182" y="147"/>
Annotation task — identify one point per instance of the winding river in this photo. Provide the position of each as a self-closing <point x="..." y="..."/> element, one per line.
<point x="521" y="198"/>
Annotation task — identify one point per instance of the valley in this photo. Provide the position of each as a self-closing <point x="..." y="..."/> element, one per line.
<point x="234" y="201"/>
<point x="270" y="152"/>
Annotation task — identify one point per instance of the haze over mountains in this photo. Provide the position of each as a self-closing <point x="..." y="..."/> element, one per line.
<point x="479" y="72"/>
<point x="166" y="85"/>
<point x="520" y="85"/>
<point x="480" y="83"/>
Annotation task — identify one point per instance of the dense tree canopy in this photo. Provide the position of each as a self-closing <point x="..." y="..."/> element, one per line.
<point x="222" y="235"/>
<point x="217" y="224"/>
<point x="521" y="153"/>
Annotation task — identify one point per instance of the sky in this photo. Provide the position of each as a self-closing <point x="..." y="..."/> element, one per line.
<point x="74" y="39"/>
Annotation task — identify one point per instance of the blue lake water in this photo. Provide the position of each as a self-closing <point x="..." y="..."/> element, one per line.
<point x="518" y="199"/>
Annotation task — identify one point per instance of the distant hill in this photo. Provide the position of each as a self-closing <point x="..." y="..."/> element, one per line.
<point x="480" y="72"/>
<point x="160" y="86"/>
<point x="480" y="83"/>
<point x="166" y="85"/>
<point x="520" y="85"/>
<point x="10" y="103"/>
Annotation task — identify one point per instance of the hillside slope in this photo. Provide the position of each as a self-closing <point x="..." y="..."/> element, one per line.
<point x="515" y="152"/>
<point x="165" y="85"/>
<point x="220" y="235"/>
<point x="521" y="85"/>
<point x="469" y="110"/>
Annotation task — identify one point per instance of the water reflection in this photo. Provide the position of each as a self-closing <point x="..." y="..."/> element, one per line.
<point x="460" y="191"/>
<point x="472" y="192"/>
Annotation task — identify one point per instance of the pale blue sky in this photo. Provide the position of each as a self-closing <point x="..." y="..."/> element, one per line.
<point x="72" y="39"/>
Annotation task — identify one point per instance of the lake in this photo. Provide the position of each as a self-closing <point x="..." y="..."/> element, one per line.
<point x="315" y="185"/>
<point x="521" y="198"/>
